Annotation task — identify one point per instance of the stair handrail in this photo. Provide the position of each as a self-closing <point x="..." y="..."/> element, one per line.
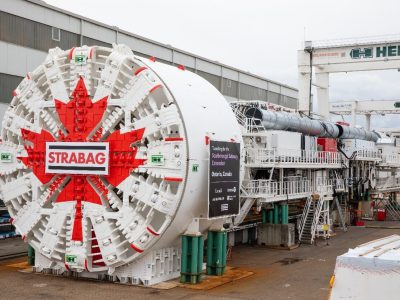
<point x="317" y="214"/>
<point x="303" y="218"/>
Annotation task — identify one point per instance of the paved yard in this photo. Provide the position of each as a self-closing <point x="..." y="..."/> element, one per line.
<point x="302" y="273"/>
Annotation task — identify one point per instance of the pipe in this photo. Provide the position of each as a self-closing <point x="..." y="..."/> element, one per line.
<point x="290" y="122"/>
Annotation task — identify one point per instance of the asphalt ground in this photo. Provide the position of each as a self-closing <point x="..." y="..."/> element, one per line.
<point x="302" y="273"/>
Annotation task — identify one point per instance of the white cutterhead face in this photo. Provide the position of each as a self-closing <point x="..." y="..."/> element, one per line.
<point x="81" y="158"/>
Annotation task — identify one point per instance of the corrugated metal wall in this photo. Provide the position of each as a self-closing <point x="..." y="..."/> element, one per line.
<point x="288" y="101"/>
<point x="27" y="33"/>
<point x="31" y="34"/>
<point x="17" y="30"/>
<point x="92" y="42"/>
<point x="249" y="92"/>
<point x="213" y="79"/>
<point x="230" y="87"/>
<point x="273" y="97"/>
<point x="8" y="83"/>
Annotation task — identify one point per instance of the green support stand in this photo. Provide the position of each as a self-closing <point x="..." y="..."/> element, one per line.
<point x="287" y="214"/>
<point x="271" y="216"/>
<point x="284" y="213"/>
<point x="276" y="214"/>
<point x="264" y="215"/>
<point x="191" y="259"/>
<point x="31" y="256"/>
<point x="216" y="252"/>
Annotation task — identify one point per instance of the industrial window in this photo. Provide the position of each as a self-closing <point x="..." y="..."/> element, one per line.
<point x="55" y="34"/>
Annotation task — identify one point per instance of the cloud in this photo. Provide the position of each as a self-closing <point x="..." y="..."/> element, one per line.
<point x="257" y="36"/>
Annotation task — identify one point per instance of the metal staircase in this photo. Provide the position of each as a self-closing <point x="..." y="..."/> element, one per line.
<point x="341" y="207"/>
<point x="246" y="203"/>
<point x="244" y="210"/>
<point x="250" y="125"/>
<point x="254" y="126"/>
<point x="392" y="208"/>
<point x="344" y="208"/>
<point x="310" y="218"/>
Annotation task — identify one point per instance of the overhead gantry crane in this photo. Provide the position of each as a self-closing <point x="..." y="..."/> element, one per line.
<point x="346" y="55"/>
<point x="365" y="107"/>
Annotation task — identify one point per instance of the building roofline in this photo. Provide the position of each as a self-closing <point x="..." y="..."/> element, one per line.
<point x="49" y="6"/>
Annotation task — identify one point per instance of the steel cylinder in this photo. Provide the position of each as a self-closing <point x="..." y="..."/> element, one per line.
<point x="273" y="120"/>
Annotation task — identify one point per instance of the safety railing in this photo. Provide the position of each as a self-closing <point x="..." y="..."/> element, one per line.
<point x="267" y="189"/>
<point x="250" y="125"/>
<point x="390" y="159"/>
<point x="328" y="185"/>
<point x="317" y="214"/>
<point x="324" y="185"/>
<point x="304" y="216"/>
<point x="253" y="126"/>
<point x="273" y="188"/>
<point x="240" y="117"/>
<point x="267" y="156"/>
<point x="388" y="183"/>
<point x="364" y="154"/>
<point x="340" y="185"/>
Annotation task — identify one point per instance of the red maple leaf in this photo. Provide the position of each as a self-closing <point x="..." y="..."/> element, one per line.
<point x="80" y="116"/>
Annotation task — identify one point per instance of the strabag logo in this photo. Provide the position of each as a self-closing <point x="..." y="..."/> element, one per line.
<point x="77" y="158"/>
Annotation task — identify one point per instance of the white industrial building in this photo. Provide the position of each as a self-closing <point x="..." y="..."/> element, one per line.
<point x="29" y="28"/>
